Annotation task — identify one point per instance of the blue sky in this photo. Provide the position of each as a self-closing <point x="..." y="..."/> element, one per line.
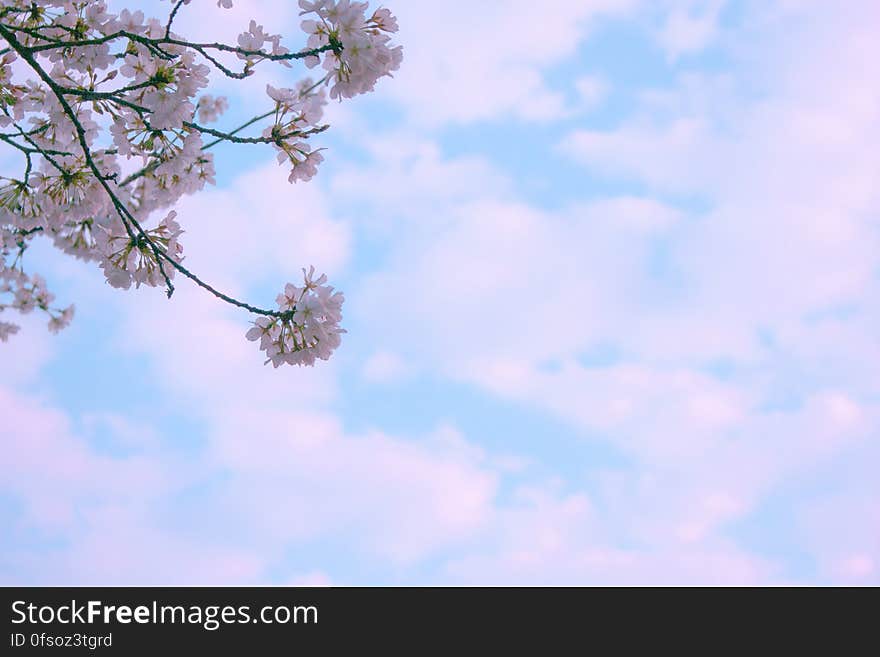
<point x="611" y="275"/>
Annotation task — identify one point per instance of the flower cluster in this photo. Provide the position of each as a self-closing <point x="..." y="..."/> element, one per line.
<point x="361" y="52"/>
<point x="251" y="44"/>
<point x="137" y="258"/>
<point x="211" y="108"/>
<point x="306" y="326"/>
<point x="26" y="294"/>
<point x="297" y="114"/>
<point x="109" y="115"/>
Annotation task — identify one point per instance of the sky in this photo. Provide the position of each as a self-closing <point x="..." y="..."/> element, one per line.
<point x="612" y="277"/>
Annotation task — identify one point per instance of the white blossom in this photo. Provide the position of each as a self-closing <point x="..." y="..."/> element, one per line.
<point x="366" y="54"/>
<point x="307" y="326"/>
<point x="7" y="329"/>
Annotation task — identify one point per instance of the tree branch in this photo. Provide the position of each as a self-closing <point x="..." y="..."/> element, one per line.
<point x="129" y="222"/>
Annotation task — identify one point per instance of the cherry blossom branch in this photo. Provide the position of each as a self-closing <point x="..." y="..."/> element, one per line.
<point x="243" y="126"/>
<point x="71" y="191"/>
<point x="126" y="216"/>
<point x="335" y="46"/>
<point x="155" y="163"/>
<point x="128" y="219"/>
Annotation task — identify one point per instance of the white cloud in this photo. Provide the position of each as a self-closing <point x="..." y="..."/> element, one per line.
<point x="466" y="62"/>
<point x="384" y="367"/>
<point x="401" y="500"/>
<point x="790" y="234"/>
<point x="690" y="26"/>
<point x="503" y="278"/>
<point x="261" y="225"/>
<point x="288" y="477"/>
<point x="548" y="538"/>
<point x="592" y="91"/>
<point x="25" y="352"/>
<point x="509" y="297"/>
<point x="409" y="177"/>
